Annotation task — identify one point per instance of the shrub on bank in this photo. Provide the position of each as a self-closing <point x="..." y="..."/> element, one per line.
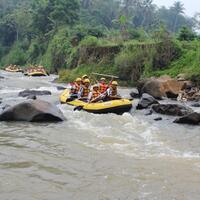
<point x="89" y="41"/>
<point x="188" y="63"/>
<point x="15" y="56"/>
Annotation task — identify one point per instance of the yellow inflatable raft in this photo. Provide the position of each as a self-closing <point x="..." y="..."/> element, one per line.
<point x="119" y="106"/>
<point x="36" y="73"/>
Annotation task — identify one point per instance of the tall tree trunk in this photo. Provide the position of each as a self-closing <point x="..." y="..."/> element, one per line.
<point x="175" y="23"/>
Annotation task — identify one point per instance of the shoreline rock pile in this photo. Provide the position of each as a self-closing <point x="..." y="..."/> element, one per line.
<point x="153" y="90"/>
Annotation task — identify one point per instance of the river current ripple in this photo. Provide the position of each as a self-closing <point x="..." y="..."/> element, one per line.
<point x="95" y="157"/>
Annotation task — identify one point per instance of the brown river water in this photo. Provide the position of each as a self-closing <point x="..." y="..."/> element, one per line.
<point x="95" y="157"/>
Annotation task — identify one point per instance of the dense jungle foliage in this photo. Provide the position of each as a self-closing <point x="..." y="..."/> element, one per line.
<point x="129" y="38"/>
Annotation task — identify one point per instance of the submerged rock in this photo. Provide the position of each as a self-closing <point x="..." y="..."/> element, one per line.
<point x="27" y="93"/>
<point x="33" y="111"/>
<point x="172" y="109"/>
<point x="192" y="119"/>
<point x="60" y="88"/>
<point x="135" y="94"/>
<point x="196" y="105"/>
<point x="1" y="77"/>
<point x="33" y="97"/>
<point x="158" y="119"/>
<point x="146" y="101"/>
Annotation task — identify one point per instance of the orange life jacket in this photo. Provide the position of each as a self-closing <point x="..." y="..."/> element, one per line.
<point x="103" y="88"/>
<point x="95" y="94"/>
<point x="85" y="92"/>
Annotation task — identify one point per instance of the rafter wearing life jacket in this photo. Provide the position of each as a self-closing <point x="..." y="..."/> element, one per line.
<point x="102" y="85"/>
<point x="84" y="90"/>
<point x="112" y="92"/>
<point x="94" y="94"/>
<point x="77" y="85"/>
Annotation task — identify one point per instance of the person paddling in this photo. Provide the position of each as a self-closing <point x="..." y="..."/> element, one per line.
<point x="95" y="94"/>
<point x="112" y="92"/>
<point x="73" y="94"/>
<point x="84" y="90"/>
<point x="77" y="85"/>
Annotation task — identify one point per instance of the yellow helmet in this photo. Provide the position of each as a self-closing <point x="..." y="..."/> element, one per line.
<point x="115" y="83"/>
<point x="102" y="79"/>
<point x="87" y="81"/>
<point x="85" y="76"/>
<point x="78" y="79"/>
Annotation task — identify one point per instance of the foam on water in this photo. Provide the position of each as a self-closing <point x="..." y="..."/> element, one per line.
<point x="130" y="136"/>
<point x="9" y="90"/>
<point x="51" y="89"/>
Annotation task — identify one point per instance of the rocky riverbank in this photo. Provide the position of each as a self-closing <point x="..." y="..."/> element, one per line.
<point x="181" y="94"/>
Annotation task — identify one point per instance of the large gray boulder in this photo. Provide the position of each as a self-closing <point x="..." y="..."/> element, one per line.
<point x="192" y="119"/>
<point x="27" y="93"/>
<point x="146" y="101"/>
<point x="33" y="111"/>
<point x="172" y="109"/>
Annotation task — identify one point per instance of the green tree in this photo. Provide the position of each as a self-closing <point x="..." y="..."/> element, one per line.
<point x="177" y="9"/>
<point x="186" y="34"/>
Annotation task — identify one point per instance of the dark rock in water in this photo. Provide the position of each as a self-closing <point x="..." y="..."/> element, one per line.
<point x="1" y="77"/>
<point x="60" y="88"/>
<point x="158" y="119"/>
<point x="135" y="94"/>
<point x="152" y="88"/>
<point x="172" y="109"/>
<point x="171" y="95"/>
<point x="192" y="119"/>
<point x="27" y="93"/>
<point x="196" y="105"/>
<point x="146" y="101"/>
<point x="33" y="111"/>
<point x="33" y="97"/>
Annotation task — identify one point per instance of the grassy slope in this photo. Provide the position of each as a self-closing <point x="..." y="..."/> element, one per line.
<point x="188" y="63"/>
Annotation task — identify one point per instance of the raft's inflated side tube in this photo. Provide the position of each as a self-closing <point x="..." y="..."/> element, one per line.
<point x="115" y="106"/>
<point x="37" y="74"/>
<point x="64" y="96"/>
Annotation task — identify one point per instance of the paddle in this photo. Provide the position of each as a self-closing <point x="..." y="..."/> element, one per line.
<point x="79" y="108"/>
<point x="106" y="75"/>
